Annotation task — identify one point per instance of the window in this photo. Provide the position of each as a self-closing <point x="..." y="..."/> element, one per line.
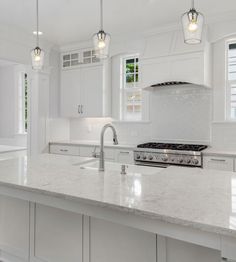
<point x="131" y="92"/>
<point x="231" y="81"/>
<point x="22" y="103"/>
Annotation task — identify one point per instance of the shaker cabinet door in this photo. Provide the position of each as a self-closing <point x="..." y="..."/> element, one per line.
<point x="112" y="242"/>
<point x="70" y="93"/>
<point x="92" y="91"/>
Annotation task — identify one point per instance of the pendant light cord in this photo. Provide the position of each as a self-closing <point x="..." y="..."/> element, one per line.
<point x="101" y="14"/>
<point x="37" y="17"/>
<point x="192" y="4"/>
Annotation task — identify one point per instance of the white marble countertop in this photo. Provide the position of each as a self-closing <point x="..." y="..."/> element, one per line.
<point x="193" y="197"/>
<point x="91" y="143"/>
<point x="6" y="148"/>
<point x="221" y="152"/>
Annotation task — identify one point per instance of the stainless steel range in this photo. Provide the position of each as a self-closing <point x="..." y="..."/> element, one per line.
<point x="164" y="154"/>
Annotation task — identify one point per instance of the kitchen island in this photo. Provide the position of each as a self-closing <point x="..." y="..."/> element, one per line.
<point x="51" y="209"/>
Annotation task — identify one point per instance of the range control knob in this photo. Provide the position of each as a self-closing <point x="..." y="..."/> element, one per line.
<point x="150" y="157"/>
<point x="181" y="160"/>
<point x="164" y="158"/>
<point x="138" y="156"/>
<point x="144" y="157"/>
<point x="195" y="161"/>
<point x="188" y="161"/>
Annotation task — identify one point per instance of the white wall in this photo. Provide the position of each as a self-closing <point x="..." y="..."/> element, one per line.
<point x="7" y="102"/>
<point x="193" y="116"/>
<point x="223" y="131"/>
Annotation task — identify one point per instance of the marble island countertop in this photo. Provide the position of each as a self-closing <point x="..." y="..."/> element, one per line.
<point x="193" y="197"/>
<point x="92" y="143"/>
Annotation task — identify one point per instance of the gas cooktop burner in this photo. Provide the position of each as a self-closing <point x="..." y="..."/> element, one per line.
<point x="167" y="146"/>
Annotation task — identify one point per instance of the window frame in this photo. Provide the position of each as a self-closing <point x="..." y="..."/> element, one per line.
<point x="124" y="90"/>
<point x="21" y="109"/>
<point x="228" y="82"/>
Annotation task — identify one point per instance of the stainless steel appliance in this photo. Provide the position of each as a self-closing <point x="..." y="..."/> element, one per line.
<point x="165" y="154"/>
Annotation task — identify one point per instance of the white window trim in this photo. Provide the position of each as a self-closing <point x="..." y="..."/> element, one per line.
<point x="20" y="78"/>
<point x="228" y="83"/>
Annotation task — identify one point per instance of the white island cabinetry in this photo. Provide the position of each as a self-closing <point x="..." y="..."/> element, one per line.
<point x="38" y="233"/>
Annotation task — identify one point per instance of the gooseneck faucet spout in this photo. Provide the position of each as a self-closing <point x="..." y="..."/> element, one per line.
<point x="115" y="142"/>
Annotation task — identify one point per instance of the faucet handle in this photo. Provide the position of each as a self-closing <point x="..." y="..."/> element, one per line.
<point x="115" y="140"/>
<point x="123" y="169"/>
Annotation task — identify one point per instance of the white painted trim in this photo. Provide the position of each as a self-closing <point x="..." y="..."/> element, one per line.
<point x="161" y="249"/>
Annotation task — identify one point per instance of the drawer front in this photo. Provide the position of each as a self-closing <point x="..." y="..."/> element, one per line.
<point x="125" y="156"/>
<point x="64" y="150"/>
<point x="218" y="163"/>
<point x="87" y="151"/>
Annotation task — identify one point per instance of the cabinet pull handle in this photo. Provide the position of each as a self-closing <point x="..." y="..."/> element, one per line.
<point x="82" y="109"/>
<point x="124" y="152"/>
<point x="218" y="160"/>
<point x="64" y="150"/>
<point x="79" y="109"/>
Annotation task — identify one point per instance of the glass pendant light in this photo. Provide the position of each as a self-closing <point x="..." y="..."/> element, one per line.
<point x="101" y="40"/>
<point x="192" y="22"/>
<point x="37" y="54"/>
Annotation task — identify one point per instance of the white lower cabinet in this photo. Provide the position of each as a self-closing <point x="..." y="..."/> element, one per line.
<point x="110" y="242"/>
<point x="64" y="150"/>
<point x="92" y="151"/>
<point x="179" y="251"/>
<point x="111" y="154"/>
<point x="58" y="235"/>
<point x="37" y="233"/>
<point x="14" y="227"/>
<point x="218" y="162"/>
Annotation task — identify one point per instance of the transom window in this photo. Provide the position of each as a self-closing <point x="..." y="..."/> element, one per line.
<point x="131" y="92"/>
<point x="231" y="81"/>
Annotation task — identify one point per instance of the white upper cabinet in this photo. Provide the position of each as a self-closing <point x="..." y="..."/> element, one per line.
<point x="70" y="92"/>
<point x="168" y="58"/>
<point x="85" y="86"/>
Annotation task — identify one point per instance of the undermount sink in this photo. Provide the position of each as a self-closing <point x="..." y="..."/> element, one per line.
<point x="112" y="166"/>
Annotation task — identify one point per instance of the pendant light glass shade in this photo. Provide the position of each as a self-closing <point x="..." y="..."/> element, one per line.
<point x="101" y="40"/>
<point x="192" y="22"/>
<point x="37" y="57"/>
<point x="37" y="54"/>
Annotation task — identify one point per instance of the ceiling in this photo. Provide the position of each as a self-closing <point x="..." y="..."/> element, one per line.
<point x="69" y="21"/>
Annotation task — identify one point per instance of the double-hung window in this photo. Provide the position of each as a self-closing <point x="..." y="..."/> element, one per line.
<point x="22" y="103"/>
<point x="131" y="92"/>
<point x="231" y="81"/>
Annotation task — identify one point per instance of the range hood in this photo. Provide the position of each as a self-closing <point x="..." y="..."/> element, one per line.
<point x="171" y="84"/>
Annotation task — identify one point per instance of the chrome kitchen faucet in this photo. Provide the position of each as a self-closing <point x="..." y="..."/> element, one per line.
<point x="115" y="141"/>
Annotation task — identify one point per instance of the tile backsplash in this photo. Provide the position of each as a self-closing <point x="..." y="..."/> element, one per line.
<point x="176" y="115"/>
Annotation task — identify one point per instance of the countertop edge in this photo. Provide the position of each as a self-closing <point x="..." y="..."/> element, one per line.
<point x="74" y="143"/>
